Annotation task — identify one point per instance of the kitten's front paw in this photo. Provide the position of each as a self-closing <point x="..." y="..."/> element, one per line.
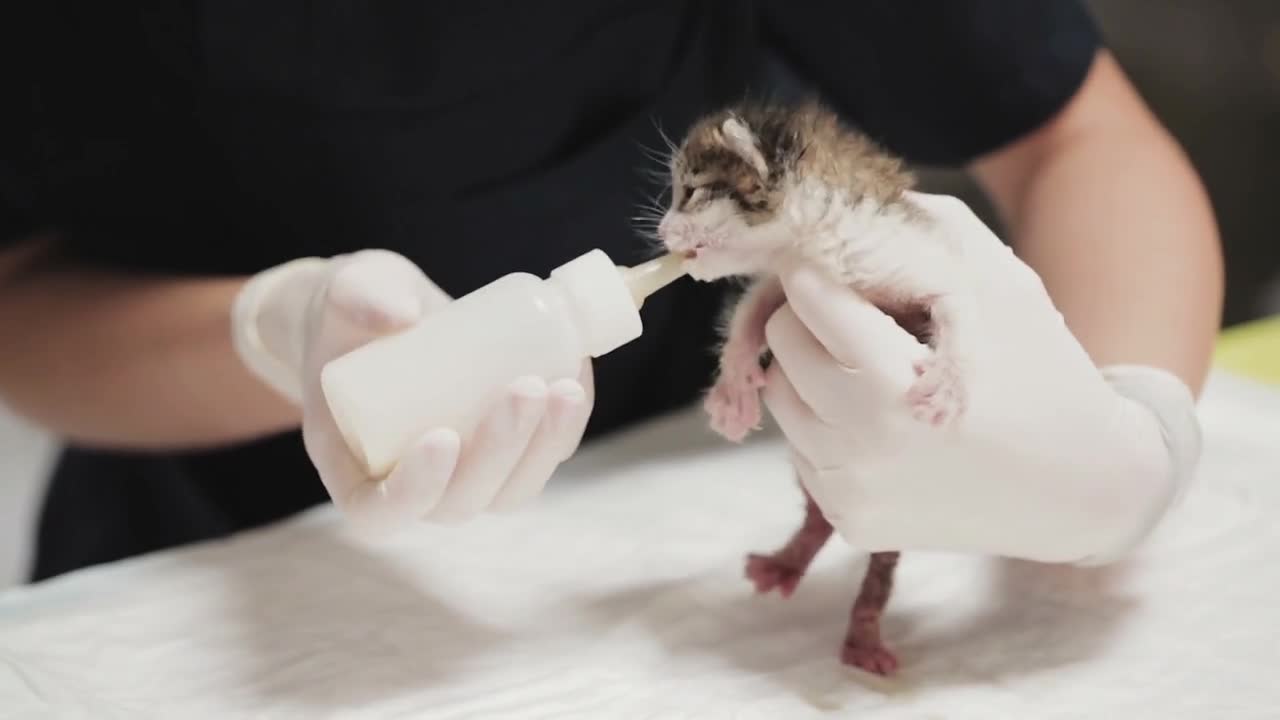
<point x="937" y="396"/>
<point x="769" y="572"/>
<point x="734" y="404"/>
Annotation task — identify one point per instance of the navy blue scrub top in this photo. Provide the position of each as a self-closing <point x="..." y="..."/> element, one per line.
<point x="476" y="138"/>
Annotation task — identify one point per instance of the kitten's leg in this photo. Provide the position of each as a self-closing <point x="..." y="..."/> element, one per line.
<point x="918" y="274"/>
<point x="784" y="568"/>
<point x="863" y="647"/>
<point x="938" y="394"/>
<point x="734" y="401"/>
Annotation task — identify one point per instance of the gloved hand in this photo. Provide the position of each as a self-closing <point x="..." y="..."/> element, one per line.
<point x="290" y="320"/>
<point x="1054" y="460"/>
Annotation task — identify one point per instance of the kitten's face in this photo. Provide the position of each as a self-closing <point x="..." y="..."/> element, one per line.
<point x="724" y="203"/>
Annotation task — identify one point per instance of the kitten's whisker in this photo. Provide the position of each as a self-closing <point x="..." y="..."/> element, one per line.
<point x="658" y="176"/>
<point x="650" y="214"/>
<point x="662" y="154"/>
<point x="659" y="156"/>
<point x="649" y="210"/>
<point x="645" y="230"/>
<point x="659" y="160"/>
<point x="653" y="205"/>
<point x="671" y="146"/>
<point x="657" y="199"/>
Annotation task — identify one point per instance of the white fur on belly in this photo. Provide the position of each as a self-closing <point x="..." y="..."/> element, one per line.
<point x="868" y="245"/>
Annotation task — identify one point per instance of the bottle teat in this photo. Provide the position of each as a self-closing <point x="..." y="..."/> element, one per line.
<point x="649" y="277"/>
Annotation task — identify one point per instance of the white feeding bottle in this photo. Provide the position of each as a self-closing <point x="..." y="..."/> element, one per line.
<point x="448" y="370"/>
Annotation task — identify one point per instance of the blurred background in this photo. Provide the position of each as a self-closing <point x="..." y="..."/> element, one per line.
<point x="1211" y="70"/>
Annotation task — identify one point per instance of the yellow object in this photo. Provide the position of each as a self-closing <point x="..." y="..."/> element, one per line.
<point x="1251" y="349"/>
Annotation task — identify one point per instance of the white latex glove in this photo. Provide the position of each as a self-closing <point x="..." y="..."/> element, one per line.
<point x="1053" y="461"/>
<point x="290" y="320"/>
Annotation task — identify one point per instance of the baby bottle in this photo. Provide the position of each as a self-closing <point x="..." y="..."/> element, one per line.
<point x="449" y="369"/>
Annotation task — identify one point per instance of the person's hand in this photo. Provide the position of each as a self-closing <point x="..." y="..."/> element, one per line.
<point x="1054" y="460"/>
<point x="291" y="320"/>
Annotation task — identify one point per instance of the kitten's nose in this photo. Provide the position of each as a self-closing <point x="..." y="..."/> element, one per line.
<point x="675" y="229"/>
<point x="669" y="230"/>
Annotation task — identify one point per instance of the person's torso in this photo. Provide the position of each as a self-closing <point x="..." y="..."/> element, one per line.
<point x="477" y="139"/>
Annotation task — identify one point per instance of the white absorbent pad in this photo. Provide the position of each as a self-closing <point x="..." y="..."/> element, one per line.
<point x="620" y="595"/>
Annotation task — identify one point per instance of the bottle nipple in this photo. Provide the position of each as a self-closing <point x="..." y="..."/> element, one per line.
<point x="649" y="277"/>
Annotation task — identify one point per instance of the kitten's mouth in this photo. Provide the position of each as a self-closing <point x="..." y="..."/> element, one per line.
<point x="693" y="252"/>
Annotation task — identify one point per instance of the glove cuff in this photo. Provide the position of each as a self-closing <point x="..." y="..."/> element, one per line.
<point x="275" y="366"/>
<point x="1172" y="405"/>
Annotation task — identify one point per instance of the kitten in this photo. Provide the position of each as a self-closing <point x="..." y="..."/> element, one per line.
<point x="755" y="187"/>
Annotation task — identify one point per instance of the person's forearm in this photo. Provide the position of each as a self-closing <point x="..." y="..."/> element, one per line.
<point x="1116" y="222"/>
<point x="1129" y="254"/>
<point x="110" y="360"/>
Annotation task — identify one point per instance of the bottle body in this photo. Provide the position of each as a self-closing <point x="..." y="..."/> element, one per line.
<point x="450" y="369"/>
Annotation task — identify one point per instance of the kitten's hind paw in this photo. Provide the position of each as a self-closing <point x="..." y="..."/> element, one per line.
<point x="734" y="404"/>
<point x="875" y="659"/>
<point x="937" y="395"/>
<point x="769" y="573"/>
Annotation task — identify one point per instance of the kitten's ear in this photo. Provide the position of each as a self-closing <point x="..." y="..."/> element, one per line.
<point x="739" y="139"/>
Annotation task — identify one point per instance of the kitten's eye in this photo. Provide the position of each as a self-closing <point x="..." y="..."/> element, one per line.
<point x="747" y="186"/>
<point x="719" y="187"/>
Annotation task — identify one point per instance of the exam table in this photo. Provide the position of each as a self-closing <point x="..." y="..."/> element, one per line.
<point x="619" y="594"/>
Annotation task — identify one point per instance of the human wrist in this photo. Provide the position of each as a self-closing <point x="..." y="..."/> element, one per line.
<point x="1165" y="401"/>
<point x="268" y="322"/>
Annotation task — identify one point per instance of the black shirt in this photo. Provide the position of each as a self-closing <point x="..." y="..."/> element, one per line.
<point x="476" y="138"/>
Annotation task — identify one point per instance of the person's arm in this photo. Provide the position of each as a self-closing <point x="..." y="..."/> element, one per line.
<point x="153" y="363"/>
<point x="1099" y="199"/>
<point x="1106" y="208"/>
<point x="103" y="358"/>
<point x="1103" y="207"/>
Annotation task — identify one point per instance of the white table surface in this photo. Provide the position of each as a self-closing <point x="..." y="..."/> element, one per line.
<point x="620" y="595"/>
